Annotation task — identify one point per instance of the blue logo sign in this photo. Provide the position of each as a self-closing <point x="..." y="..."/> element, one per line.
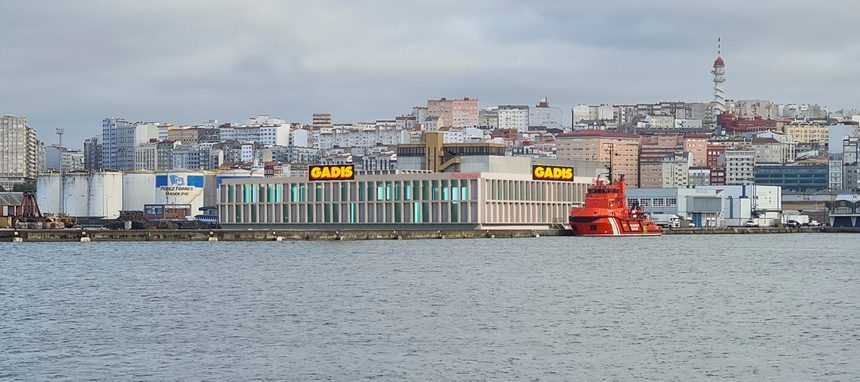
<point x="176" y="180"/>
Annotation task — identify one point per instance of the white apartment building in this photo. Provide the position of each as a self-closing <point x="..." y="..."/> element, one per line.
<point x="364" y="138"/>
<point x="545" y="115"/>
<point x="676" y="170"/>
<point x="740" y="167"/>
<point x="146" y="156"/>
<point x="57" y="157"/>
<point x="514" y="117"/>
<point x="266" y="135"/>
<point x="582" y="113"/>
<point x="19" y="152"/>
<point x="119" y="139"/>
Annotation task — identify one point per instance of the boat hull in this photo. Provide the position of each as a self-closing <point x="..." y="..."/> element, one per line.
<point x="613" y="226"/>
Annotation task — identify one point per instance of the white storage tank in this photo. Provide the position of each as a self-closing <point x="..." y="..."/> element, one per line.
<point x="138" y="189"/>
<point x="48" y="192"/>
<point x="76" y="194"/>
<point x="105" y="197"/>
<point x="180" y="188"/>
<point x="84" y="194"/>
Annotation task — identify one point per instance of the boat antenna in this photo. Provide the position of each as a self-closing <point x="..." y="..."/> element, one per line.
<point x="611" y="148"/>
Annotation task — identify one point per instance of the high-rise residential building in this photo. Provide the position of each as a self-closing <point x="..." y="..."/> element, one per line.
<point x="196" y="157"/>
<point x="488" y="119"/>
<point x="93" y="153"/>
<point x="514" y="117"/>
<point x="154" y="155"/>
<point x="266" y="135"/>
<point x="851" y="163"/>
<point x="146" y="156"/>
<point x="773" y="148"/>
<point x="583" y="113"/>
<point x="618" y="149"/>
<point x="321" y="120"/>
<point x="807" y="132"/>
<point x="119" y="139"/>
<point x="740" y="167"/>
<point x="699" y="176"/>
<point x="544" y="115"/>
<point x="128" y="137"/>
<point x="697" y="146"/>
<point x="57" y="158"/>
<point x="835" y="154"/>
<point x="19" y="152"/>
<point x="110" y="145"/>
<point x="194" y="135"/>
<point x="675" y="170"/>
<point x="454" y="113"/>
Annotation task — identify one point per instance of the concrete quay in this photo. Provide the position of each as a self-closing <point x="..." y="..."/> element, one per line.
<point x="77" y="235"/>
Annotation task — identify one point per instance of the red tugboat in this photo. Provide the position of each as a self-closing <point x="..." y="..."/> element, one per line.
<point x="606" y="213"/>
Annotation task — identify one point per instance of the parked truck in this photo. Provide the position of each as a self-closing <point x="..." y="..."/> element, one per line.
<point x="795" y="220"/>
<point x="666" y="220"/>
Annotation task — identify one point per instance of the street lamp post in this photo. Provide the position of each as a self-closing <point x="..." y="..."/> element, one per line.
<point x="61" y="205"/>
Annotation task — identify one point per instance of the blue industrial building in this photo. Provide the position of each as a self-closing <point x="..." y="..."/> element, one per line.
<point x="793" y="178"/>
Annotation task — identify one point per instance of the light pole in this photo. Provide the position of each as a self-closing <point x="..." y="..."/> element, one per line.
<point x="61" y="203"/>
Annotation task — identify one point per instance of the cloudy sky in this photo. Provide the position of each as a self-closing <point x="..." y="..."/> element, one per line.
<point x="71" y="63"/>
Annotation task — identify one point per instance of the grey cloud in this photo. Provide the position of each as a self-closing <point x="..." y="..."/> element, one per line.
<point x="69" y="64"/>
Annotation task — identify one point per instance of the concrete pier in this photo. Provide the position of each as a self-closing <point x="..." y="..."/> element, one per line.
<point x="73" y="235"/>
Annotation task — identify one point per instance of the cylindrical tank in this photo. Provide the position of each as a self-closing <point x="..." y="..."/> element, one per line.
<point x="138" y="189"/>
<point x="105" y="196"/>
<point x="76" y="191"/>
<point x="180" y="188"/>
<point x="48" y="192"/>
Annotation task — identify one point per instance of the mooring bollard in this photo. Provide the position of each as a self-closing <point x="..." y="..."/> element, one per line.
<point x="84" y="237"/>
<point x="212" y="236"/>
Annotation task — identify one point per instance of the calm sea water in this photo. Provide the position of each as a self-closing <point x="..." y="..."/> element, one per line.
<point x="748" y="307"/>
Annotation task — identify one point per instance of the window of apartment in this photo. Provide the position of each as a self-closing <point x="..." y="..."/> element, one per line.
<point x="671" y="202"/>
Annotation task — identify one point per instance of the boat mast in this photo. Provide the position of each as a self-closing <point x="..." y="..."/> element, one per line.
<point x="611" y="148"/>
